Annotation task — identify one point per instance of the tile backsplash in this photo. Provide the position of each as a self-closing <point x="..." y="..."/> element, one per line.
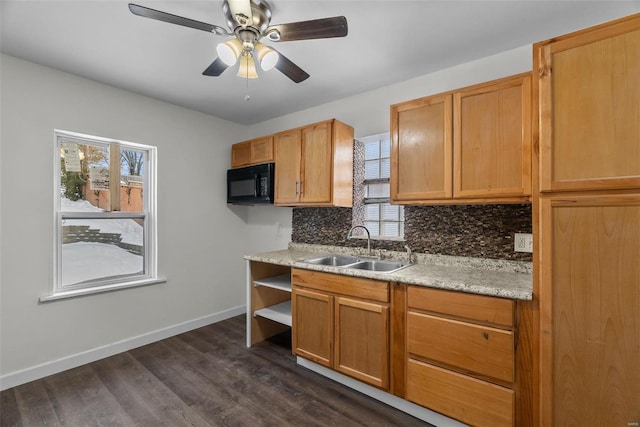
<point x="483" y="231"/>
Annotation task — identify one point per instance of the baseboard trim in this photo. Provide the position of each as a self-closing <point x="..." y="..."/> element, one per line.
<point x="49" y="368"/>
<point x="412" y="409"/>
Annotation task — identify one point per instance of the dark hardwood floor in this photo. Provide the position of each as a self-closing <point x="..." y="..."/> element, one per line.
<point x="205" y="377"/>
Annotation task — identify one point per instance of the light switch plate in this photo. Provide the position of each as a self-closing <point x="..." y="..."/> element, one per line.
<point x="523" y="242"/>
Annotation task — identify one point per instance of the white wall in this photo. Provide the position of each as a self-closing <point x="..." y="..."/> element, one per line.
<point x="201" y="240"/>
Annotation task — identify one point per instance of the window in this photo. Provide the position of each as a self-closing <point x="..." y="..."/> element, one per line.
<point x="105" y="214"/>
<point x="372" y="208"/>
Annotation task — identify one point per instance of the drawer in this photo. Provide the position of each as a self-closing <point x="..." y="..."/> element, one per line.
<point x="467" y="399"/>
<point x="480" y="308"/>
<point x="482" y="350"/>
<point x="344" y="285"/>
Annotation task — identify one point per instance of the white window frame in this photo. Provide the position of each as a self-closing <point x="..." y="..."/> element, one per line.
<point x="360" y="199"/>
<point x="150" y="276"/>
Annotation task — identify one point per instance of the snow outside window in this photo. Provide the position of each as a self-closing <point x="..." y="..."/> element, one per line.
<point x="105" y="214"/>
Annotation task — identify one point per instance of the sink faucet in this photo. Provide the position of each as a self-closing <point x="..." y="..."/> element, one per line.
<point x="409" y="252"/>
<point x="368" y="236"/>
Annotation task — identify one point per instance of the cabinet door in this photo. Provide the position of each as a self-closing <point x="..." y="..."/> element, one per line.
<point x="262" y="150"/>
<point x="312" y="331"/>
<point x="492" y="139"/>
<point x="589" y="308"/>
<point x="316" y="171"/>
<point x="362" y="341"/>
<point x="590" y="108"/>
<point x="241" y="154"/>
<point x="287" y="151"/>
<point x="421" y="149"/>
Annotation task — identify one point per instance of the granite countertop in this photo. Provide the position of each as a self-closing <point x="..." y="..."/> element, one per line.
<point x="506" y="279"/>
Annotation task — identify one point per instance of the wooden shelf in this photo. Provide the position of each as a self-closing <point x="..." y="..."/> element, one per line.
<point x="282" y="282"/>
<point x="280" y="313"/>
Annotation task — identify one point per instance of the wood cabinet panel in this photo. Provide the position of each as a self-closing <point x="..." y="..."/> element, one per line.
<point x="481" y="308"/>
<point x="472" y="145"/>
<point x="421" y="149"/>
<point x="241" y="154"/>
<point x="475" y="349"/>
<point x="312" y="329"/>
<point x="362" y="340"/>
<point x="467" y="399"/>
<point x="590" y="321"/>
<point x="492" y="139"/>
<point x="349" y="286"/>
<point x="316" y="171"/>
<point x="590" y="105"/>
<point x="262" y="150"/>
<point x="287" y="153"/>
<point x="253" y="152"/>
<point x="314" y="165"/>
<point x="359" y="342"/>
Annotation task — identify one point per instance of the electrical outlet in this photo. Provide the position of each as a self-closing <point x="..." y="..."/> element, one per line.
<point x="523" y="242"/>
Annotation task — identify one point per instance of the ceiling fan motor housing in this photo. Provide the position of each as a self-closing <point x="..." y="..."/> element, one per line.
<point x="258" y="21"/>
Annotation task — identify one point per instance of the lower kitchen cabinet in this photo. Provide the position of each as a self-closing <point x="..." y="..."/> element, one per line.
<point x="461" y="355"/>
<point x="465" y="356"/>
<point x="362" y="340"/>
<point x="312" y="315"/>
<point x="268" y="300"/>
<point x="459" y="396"/>
<point x="342" y="323"/>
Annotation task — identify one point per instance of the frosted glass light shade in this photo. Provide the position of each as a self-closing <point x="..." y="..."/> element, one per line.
<point x="229" y="51"/>
<point x="247" y="69"/>
<point x="268" y="57"/>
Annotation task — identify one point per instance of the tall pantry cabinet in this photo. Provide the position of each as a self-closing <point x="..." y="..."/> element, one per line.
<point x="587" y="214"/>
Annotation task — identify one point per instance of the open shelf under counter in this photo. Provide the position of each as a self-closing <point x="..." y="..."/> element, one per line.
<point x="282" y="282"/>
<point x="280" y="313"/>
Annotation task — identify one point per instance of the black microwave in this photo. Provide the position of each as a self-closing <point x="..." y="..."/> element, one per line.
<point x="251" y="185"/>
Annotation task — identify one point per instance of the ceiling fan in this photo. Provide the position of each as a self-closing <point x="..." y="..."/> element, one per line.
<point x="249" y="22"/>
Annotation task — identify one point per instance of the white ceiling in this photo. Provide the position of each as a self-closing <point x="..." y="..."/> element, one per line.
<point x="389" y="41"/>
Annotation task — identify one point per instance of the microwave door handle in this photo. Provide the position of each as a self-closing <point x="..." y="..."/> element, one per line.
<point x="257" y="187"/>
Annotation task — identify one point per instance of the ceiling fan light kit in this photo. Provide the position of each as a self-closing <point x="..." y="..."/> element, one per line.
<point x="248" y="22"/>
<point x="268" y="57"/>
<point x="229" y="51"/>
<point x="247" y="69"/>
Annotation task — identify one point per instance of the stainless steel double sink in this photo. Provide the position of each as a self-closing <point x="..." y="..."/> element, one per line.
<point x="360" y="263"/>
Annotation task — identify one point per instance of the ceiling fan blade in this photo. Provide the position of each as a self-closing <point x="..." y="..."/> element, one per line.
<point x="241" y="11"/>
<point x="216" y="68"/>
<point x="305" y="30"/>
<point x="147" y="12"/>
<point x="291" y="70"/>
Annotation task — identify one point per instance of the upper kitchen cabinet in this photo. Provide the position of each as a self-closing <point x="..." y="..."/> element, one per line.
<point x="314" y="165"/>
<point x="253" y="152"/>
<point x="472" y="145"/>
<point x="492" y="139"/>
<point x="421" y="149"/>
<point x="590" y="108"/>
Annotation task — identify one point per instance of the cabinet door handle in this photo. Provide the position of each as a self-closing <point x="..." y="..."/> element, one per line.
<point x="301" y="188"/>
<point x="297" y="182"/>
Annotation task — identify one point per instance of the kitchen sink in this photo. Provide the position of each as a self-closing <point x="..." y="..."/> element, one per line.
<point x="333" y="260"/>
<point x="347" y="261"/>
<point x="385" y="266"/>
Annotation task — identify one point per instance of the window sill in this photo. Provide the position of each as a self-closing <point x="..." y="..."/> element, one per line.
<point x="380" y="238"/>
<point x="100" y="289"/>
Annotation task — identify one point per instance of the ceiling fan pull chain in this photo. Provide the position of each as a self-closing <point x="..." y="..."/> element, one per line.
<point x="247" y="97"/>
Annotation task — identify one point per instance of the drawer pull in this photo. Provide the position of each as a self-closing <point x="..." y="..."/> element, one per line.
<point x="485" y="335"/>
